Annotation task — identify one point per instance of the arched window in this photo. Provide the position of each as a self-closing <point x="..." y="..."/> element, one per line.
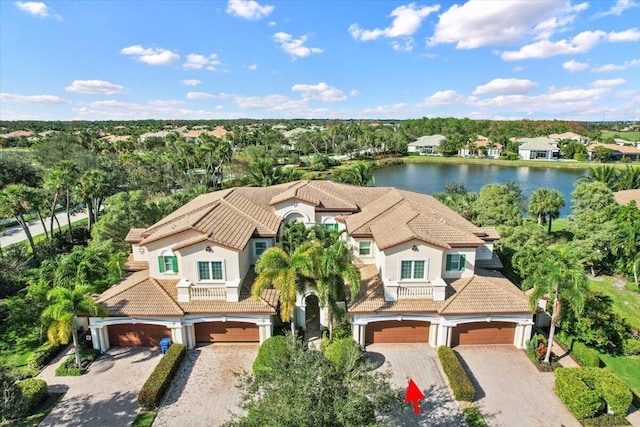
<point x="168" y="262"/>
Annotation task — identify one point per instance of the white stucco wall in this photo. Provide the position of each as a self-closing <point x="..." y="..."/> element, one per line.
<point x="154" y="249"/>
<point x="293" y="206"/>
<point x="470" y="262"/>
<point x="485" y="252"/>
<point x="366" y="259"/>
<point x="229" y="257"/>
<point x="393" y="256"/>
<point x="139" y="255"/>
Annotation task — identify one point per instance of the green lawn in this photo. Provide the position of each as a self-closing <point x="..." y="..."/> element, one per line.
<point x="144" y="419"/>
<point x="40" y="412"/>
<point x="625" y="303"/>
<point x="629" y="136"/>
<point x="626" y="368"/>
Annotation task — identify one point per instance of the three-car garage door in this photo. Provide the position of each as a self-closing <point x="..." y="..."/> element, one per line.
<point x="483" y="333"/>
<point x="227" y="332"/>
<point x="395" y="331"/>
<point x="138" y="335"/>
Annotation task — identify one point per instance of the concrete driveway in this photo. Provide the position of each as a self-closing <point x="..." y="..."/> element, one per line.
<point x="107" y="395"/>
<point x="420" y="363"/>
<point x="204" y="390"/>
<point x="510" y="391"/>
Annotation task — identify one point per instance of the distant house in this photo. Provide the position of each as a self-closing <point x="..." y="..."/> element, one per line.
<point x="426" y="144"/>
<point x="483" y="145"/>
<point x="569" y="135"/>
<point x="625" y="196"/>
<point x="617" y="151"/>
<point x="193" y="135"/>
<point x="539" y="148"/>
<point x="18" y="134"/>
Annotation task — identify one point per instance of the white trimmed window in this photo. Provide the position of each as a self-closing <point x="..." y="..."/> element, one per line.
<point x="167" y="262"/>
<point x="364" y="248"/>
<point x="330" y="227"/>
<point x="413" y="269"/>
<point x="210" y="271"/>
<point x="259" y="246"/>
<point x="455" y="262"/>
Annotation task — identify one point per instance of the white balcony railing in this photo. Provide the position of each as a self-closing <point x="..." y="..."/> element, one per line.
<point x="207" y="293"/>
<point x="415" y="292"/>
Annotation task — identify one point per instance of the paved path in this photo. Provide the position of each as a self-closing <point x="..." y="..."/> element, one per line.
<point x="16" y="234"/>
<point x="510" y="391"/>
<point x="204" y="392"/>
<point x="107" y="395"/>
<point x="420" y="363"/>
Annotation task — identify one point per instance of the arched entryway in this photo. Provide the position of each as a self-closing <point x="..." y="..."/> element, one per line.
<point x="312" y="313"/>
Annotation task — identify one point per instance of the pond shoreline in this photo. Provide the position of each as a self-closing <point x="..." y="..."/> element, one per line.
<point x="558" y="164"/>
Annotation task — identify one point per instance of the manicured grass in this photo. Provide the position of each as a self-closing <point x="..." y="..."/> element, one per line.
<point x="625" y="303"/>
<point x="15" y="356"/>
<point x="629" y="136"/>
<point x="144" y="419"/>
<point x="473" y="417"/>
<point x="626" y="368"/>
<point x="514" y="163"/>
<point x="40" y="412"/>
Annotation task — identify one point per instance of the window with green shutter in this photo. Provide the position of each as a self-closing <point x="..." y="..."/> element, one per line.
<point x="455" y="262"/>
<point x="168" y="264"/>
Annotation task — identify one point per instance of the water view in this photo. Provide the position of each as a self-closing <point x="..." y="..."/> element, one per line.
<point x="432" y="178"/>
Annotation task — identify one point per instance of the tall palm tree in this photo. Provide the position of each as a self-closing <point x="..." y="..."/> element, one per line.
<point x="288" y="274"/>
<point x="629" y="179"/>
<point x="606" y="174"/>
<point x="545" y="203"/>
<point x="17" y="200"/>
<point x="562" y="279"/>
<point x="336" y="271"/>
<point x="263" y="173"/>
<point x="359" y="174"/>
<point x="66" y="305"/>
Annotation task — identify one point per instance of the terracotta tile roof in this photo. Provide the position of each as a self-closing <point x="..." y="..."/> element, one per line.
<point x="625" y="196"/>
<point x="487" y="292"/>
<point x="139" y="295"/>
<point x="322" y="194"/>
<point x="615" y="147"/>
<point x="132" y="265"/>
<point x="134" y="235"/>
<point x="491" y="233"/>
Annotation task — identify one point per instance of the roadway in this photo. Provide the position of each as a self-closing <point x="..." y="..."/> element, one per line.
<point x="16" y="234"/>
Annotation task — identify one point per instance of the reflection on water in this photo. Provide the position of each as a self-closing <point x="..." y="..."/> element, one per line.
<point x="432" y="177"/>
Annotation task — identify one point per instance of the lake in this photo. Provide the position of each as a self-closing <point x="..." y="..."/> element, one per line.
<point x="431" y="178"/>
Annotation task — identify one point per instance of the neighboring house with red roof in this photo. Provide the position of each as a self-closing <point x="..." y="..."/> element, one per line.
<point x="617" y="151"/>
<point x="428" y="275"/>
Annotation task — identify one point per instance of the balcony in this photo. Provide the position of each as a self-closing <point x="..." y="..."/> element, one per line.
<point x="435" y="290"/>
<point x="415" y="292"/>
<point x="207" y="293"/>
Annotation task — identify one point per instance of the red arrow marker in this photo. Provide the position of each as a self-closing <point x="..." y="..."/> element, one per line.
<point x="414" y="394"/>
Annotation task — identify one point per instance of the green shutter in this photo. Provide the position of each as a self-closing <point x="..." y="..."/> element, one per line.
<point x="462" y="259"/>
<point x="448" y="262"/>
<point x="161" y="263"/>
<point x="174" y="263"/>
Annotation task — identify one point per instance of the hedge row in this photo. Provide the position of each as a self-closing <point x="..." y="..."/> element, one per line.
<point x="582" y="388"/>
<point x="32" y="392"/>
<point x="458" y="379"/>
<point x="160" y="379"/>
<point x="272" y="352"/>
<point x="43" y="355"/>
<point x="68" y="368"/>
<point x="584" y="355"/>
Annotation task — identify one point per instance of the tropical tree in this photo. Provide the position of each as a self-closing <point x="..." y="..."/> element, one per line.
<point x="359" y="174"/>
<point x="293" y="235"/>
<point x="545" y="203"/>
<point x="628" y="179"/>
<point x="263" y="173"/>
<point x="626" y="242"/>
<point x="604" y="174"/>
<point x="67" y="304"/>
<point x="93" y="187"/>
<point x="288" y="274"/>
<point x="17" y="200"/>
<point x="560" y="278"/>
<point x="497" y="205"/>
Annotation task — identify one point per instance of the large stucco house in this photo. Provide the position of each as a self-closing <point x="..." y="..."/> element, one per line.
<point x="428" y="275"/>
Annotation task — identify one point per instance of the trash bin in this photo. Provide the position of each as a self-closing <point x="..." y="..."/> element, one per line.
<point x="164" y="344"/>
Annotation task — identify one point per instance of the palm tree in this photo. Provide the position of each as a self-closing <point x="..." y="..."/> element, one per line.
<point x="565" y="281"/>
<point x="628" y="179"/>
<point x="93" y="187"/>
<point x="545" y="203"/>
<point x="359" y="174"/>
<point x="17" y="200"/>
<point x="263" y="173"/>
<point x="336" y="271"/>
<point x="606" y="174"/>
<point x="288" y="274"/>
<point x="66" y="305"/>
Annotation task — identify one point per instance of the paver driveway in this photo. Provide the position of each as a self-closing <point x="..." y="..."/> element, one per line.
<point x="107" y="395"/>
<point x="420" y="363"/>
<point x="204" y="389"/>
<point x="510" y="391"/>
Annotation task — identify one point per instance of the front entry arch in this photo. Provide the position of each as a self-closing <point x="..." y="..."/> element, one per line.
<point x="312" y="313"/>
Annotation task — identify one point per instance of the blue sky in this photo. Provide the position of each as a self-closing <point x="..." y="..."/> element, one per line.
<point x="543" y="59"/>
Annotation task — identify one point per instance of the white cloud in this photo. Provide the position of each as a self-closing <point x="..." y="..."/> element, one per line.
<point x="505" y="87"/>
<point x="248" y="9"/>
<point x="191" y="82"/>
<point x="574" y="66"/>
<point x="95" y="86"/>
<point x="165" y="102"/>
<point x="253" y="67"/>
<point x="618" y="8"/>
<point x="271" y="23"/>
<point x="151" y="56"/>
<point x="614" y="67"/>
<point x="607" y="83"/>
<point x="631" y="35"/>
<point x="200" y="95"/>
<point x="444" y="97"/>
<point x="407" y="19"/>
<point x="36" y="8"/>
<point x="406" y="45"/>
<point x="270" y="103"/>
<point x="32" y="99"/>
<point x="321" y="92"/>
<point x="481" y="23"/>
<point x="295" y="47"/>
<point x="354" y="93"/>
<point x="518" y="68"/>
<point x="197" y="62"/>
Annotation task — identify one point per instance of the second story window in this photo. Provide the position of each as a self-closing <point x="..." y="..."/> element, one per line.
<point x="413" y="270"/>
<point x="364" y="248"/>
<point x="259" y="247"/>
<point x="333" y="227"/>
<point x="210" y="271"/>
<point x="455" y="262"/>
<point x="168" y="263"/>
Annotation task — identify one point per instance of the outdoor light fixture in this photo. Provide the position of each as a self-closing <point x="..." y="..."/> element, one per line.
<point x="141" y="250"/>
<point x="414" y="248"/>
<point x="208" y="249"/>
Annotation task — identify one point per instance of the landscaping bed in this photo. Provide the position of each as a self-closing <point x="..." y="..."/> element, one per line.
<point x="68" y="368"/>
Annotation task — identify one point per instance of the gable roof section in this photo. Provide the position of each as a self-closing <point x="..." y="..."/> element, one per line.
<point x="324" y="195"/>
<point x="427" y="141"/>
<point x="540" y="143"/>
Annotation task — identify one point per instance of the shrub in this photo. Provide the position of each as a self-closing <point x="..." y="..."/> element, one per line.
<point x="68" y="368"/>
<point x="458" y="379"/>
<point x="344" y="353"/>
<point x="582" y="401"/>
<point x="32" y="391"/>
<point x="473" y="417"/>
<point x="160" y="379"/>
<point x="43" y="355"/>
<point x="612" y="390"/>
<point x="272" y="353"/>
<point x="631" y="347"/>
<point x="584" y="355"/>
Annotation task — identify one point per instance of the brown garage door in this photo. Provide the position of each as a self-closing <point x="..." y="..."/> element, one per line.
<point x="483" y="333"/>
<point x="138" y="335"/>
<point x="391" y="331"/>
<point x="227" y="331"/>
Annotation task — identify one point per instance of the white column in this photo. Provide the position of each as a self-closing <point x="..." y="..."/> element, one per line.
<point x="261" y="333"/>
<point x="449" y="335"/>
<point x="104" y="338"/>
<point x="95" y="337"/>
<point x="176" y="334"/>
<point x="362" y="334"/>
<point x="433" y="335"/>
<point x="443" y="332"/>
<point x="268" y="330"/>
<point x="527" y="334"/>
<point x="191" y="336"/>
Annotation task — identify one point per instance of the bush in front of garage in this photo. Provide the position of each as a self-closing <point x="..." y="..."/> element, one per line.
<point x="344" y="353"/>
<point x="43" y="355"/>
<point x="272" y="353"/>
<point x="68" y="368"/>
<point x="461" y="385"/>
<point x="32" y="392"/>
<point x="160" y="379"/>
<point x="583" y="389"/>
